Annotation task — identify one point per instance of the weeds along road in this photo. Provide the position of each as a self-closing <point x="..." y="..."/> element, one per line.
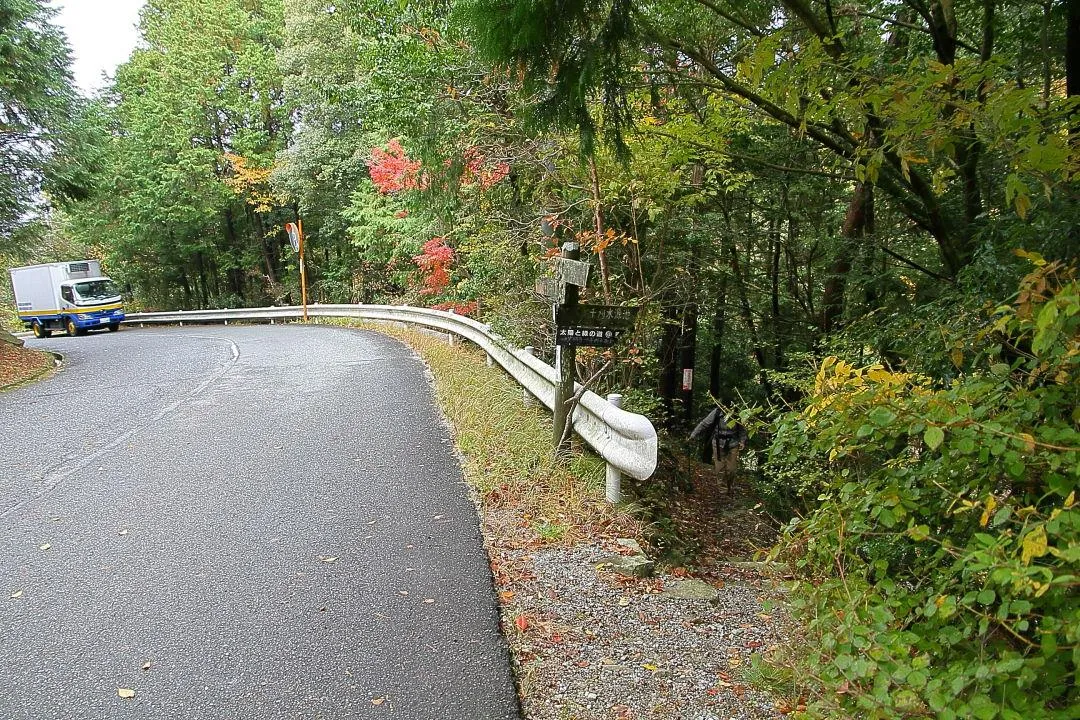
<point x="240" y="522"/>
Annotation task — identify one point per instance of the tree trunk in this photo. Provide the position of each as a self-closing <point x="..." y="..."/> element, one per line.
<point x="668" y="355"/>
<point x="858" y="219"/>
<point x="719" y="326"/>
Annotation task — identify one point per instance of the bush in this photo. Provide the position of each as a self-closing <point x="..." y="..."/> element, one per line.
<point x="939" y="566"/>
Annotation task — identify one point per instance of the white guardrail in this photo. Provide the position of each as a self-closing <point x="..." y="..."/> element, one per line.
<point x="625" y="440"/>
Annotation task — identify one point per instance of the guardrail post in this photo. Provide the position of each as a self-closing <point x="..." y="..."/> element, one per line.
<point x="526" y="396"/>
<point x="613" y="484"/>
<point x="450" y="335"/>
<point x="490" y="361"/>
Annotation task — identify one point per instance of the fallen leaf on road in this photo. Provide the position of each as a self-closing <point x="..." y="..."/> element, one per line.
<point x="122" y="532"/>
<point x="438" y="517"/>
<point x="16" y="595"/>
<point x="327" y="559"/>
<point x="403" y="593"/>
<point x="378" y="701"/>
<point x="428" y="601"/>
<point x="146" y="665"/>
<point x="126" y="693"/>
<point x="46" y="546"/>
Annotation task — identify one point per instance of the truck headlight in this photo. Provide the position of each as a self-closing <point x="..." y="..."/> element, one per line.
<point x="84" y="316"/>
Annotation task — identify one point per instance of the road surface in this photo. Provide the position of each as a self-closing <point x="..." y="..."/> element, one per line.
<point x="240" y="522"/>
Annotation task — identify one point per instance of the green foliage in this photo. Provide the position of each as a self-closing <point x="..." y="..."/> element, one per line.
<point x="941" y="558"/>
<point x="36" y="102"/>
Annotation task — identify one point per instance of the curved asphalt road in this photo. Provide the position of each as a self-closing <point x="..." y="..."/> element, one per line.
<point x="272" y="517"/>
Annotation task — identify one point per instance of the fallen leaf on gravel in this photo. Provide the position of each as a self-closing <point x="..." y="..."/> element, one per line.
<point x="506" y="595"/>
<point x="624" y="601"/>
<point x="521" y="622"/>
<point x="46" y="546"/>
<point x="125" y="693"/>
<point x="734" y="662"/>
<point x="649" y="666"/>
<point x="16" y="595"/>
<point x="146" y="665"/>
<point x="378" y="701"/>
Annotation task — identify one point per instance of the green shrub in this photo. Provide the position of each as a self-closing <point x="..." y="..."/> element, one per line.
<point x="939" y="568"/>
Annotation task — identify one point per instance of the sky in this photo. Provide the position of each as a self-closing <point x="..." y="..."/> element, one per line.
<point x="101" y="35"/>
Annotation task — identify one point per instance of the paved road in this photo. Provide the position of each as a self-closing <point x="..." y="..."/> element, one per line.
<point x="272" y="517"/>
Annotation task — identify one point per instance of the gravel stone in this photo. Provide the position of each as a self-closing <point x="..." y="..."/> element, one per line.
<point x="601" y="645"/>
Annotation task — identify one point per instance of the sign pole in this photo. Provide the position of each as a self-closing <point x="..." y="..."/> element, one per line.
<point x="303" y="273"/>
<point x="566" y="363"/>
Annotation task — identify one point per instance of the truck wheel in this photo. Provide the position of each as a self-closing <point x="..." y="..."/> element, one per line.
<point x="113" y="327"/>
<point x="39" y="330"/>
<point x="72" y="329"/>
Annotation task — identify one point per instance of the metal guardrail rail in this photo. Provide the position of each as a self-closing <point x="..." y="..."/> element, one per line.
<point x="625" y="440"/>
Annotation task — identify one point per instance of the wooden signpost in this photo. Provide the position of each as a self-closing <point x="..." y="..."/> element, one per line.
<point x="576" y="326"/>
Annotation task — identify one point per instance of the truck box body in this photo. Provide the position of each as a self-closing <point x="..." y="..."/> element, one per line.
<point x="74" y="296"/>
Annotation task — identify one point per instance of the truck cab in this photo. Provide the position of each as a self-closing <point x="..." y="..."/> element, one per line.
<point x="90" y="303"/>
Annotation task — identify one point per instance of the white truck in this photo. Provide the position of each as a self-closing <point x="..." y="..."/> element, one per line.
<point x="71" y="296"/>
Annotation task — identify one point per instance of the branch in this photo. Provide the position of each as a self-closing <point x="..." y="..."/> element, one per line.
<point x="915" y="265"/>
<point x="730" y="18"/>
<point x="575" y="399"/>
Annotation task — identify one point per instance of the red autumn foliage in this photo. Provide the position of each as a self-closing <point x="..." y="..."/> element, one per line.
<point x="392" y="171"/>
<point x="468" y="309"/>
<point x="434" y="263"/>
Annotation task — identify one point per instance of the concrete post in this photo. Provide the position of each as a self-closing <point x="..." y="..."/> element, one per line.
<point x="613" y="476"/>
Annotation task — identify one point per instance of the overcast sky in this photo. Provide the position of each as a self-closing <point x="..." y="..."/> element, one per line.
<point x="101" y="35"/>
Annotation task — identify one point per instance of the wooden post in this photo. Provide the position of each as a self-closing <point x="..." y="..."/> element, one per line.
<point x="566" y="364"/>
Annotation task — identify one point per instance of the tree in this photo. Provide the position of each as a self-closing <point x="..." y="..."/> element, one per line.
<point x="36" y="101"/>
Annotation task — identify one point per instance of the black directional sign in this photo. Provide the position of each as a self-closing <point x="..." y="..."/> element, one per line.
<point x="607" y="316"/>
<point x="575" y="336"/>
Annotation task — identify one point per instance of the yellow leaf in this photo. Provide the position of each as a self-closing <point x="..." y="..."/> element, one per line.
<point x="649" y="666"/>
<point x="1029" y="442"/>
<point x="1071" y="500"/>
<point x="991" y="504"/>
<point x="16" y="595"/>
<point x="1034" y="545"/>
<point x="126" y="693"/>
<point x="46" y="546"/>
<point x="378" y="701"/>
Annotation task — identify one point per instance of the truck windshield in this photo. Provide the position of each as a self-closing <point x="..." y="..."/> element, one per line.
<point x="97" y="290"/>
